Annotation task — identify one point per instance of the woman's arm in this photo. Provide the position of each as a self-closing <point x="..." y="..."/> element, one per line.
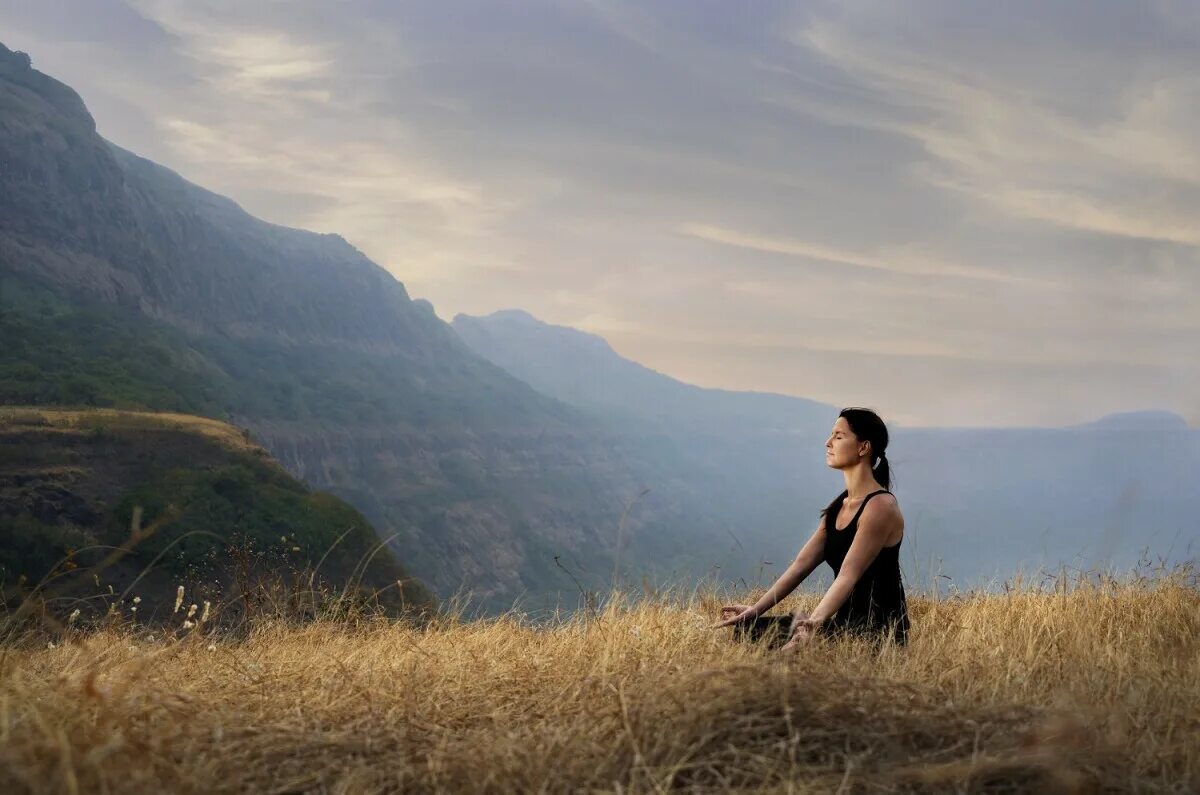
<point x="811" y="556"/>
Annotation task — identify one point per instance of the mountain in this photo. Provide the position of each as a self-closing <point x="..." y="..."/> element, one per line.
<point x="752" y="460"/>
<point x="980" y="503"/>
<point x="1141" y="420"/>
<point x="124" y="285"/>
<point x="582" y="369"/>
<point x="71" y="482"/>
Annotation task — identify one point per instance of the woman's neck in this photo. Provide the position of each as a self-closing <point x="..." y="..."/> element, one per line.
<point x="860" y="482"/>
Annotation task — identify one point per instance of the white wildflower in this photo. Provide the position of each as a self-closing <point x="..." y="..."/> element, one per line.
<point x="137" y="600"/>
<point x="74" y="616"/>
<point x="212" y="647"/>
<point x="204" y="613"/>
<point x="178" y="598"/>
<point x="50" y="645"/>
<point x="192" y="611"/>
<point x="188" y="624"/>
<point x="295" y="549"/>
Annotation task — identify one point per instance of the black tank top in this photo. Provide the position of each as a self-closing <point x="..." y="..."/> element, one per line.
<point x="877" y="601"/>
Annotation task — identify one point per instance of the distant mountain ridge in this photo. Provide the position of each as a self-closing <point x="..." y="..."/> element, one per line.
<point x="582" y="369"/>
<point x="1165" y="420"/>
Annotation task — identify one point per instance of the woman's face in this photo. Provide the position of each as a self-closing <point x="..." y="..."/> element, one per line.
<point x="841" y="448"/>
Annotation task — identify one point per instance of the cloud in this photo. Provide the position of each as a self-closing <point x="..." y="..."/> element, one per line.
<point x="1135" y="173"/>
<point x="895" y="262"/>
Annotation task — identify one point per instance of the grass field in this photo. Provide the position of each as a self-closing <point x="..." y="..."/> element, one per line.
<point x="1089" y="686"/>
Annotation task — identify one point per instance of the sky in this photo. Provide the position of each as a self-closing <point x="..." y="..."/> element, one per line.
<point x="956" y="213"/>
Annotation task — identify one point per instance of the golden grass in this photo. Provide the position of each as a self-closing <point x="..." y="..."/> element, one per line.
<point x="1092" y="689"/>
<point x="18" y="418"/>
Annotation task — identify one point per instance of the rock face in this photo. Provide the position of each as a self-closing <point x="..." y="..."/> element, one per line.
<point x="178" y="299"/>
<point x="104" y="223"/>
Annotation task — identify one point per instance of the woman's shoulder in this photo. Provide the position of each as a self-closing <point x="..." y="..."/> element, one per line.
<point x="885" y="496"/>
<point x="885" y="500"/>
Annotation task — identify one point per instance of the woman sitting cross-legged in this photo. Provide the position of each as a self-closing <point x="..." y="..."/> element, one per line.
<point x="859" y="537"/>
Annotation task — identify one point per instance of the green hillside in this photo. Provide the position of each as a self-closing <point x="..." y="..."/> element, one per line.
<point x="74" y="485"/>
<point x="63" y="349"/>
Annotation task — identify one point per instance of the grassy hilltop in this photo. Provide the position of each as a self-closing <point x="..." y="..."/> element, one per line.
<point x="101" y="505"/>
<point x="1081" y="690"/>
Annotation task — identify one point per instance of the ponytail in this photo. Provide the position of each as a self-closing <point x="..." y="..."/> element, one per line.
<point x="883" y="472"/>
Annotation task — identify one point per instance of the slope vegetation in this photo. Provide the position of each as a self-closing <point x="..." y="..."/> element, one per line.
<point x="183" y="496"/>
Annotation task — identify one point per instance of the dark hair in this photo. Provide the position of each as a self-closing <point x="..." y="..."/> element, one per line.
<point x="867" y="426"/>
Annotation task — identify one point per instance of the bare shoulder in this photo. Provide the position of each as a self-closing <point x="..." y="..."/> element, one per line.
<point x="885" y="498"/>
<point x="883" y="508"/>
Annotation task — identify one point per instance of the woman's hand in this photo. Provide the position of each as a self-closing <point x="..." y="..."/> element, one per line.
<point x="803" y="632"/>
<point x="732" y="614"/>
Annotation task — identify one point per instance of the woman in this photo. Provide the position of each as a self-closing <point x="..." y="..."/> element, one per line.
<point x="859" y="537"/>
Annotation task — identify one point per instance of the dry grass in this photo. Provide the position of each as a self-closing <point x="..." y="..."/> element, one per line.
<point x="1089" y="689"/>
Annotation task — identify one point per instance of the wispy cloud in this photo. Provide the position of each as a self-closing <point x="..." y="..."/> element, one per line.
<point x="253" y="58"/>
<point x="1134" y="173"/>
<point x="898" y="260"/>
